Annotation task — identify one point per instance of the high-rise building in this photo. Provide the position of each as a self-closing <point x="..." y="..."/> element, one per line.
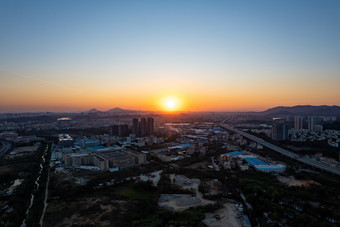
<point x="298" y="122"/>
<point x="143" y="127"/>
<point x="150" y="125"/>
<point x="114" y="130"/>
<point x="123" y="130"/>
<point x="135" y="128"/>
<point x="312" y="121"/>
<point x="279" y="130"/>
<point x="318" y="128"/>
<point x="120" y="130"/>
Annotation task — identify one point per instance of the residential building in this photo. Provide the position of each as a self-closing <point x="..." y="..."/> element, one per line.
<point x="279" y="130"/>
<point x="298" y="122"/>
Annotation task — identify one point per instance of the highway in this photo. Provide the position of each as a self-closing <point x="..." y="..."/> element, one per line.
<point x="307" y="161"/>
<point x="5" y="146"/>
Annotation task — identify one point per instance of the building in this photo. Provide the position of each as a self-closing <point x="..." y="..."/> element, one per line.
<point x="114" y="130"/>
<point x="83" y="159"/>
<point x="135" y="128"/>
<point x="120" y="130"/>
<point x="84" y="143"/>
<point x="240" y="158"/>
<point x="118" y="159"/>
<point x="150" y="126"/>
<point x="246" y="221"/>
<point x="279" y="130"/>
<point x="313" y="121"/>
<point x="65" y="140"/>
<point x="123" y="130"/>
<point x="140" y="158"/>
<point x="144" y="127"/>
<point x="318" y="128"/>
<point x="298" y="122"/>
<point x="101" y="162"/>
<point x="270" y="168"/>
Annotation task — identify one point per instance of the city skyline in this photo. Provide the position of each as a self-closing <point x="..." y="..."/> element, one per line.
<point x="208" y="56"/>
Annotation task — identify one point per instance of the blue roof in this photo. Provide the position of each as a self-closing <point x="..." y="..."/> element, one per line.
<point x="269" y="168"/>
<point x="182" y="146"/>
<point x="89" y="140"/>
<point x="246" y="219"/>
<point x="255" y="161"/>
<point x="234" y="153"/>
<point x="96" y="148"/>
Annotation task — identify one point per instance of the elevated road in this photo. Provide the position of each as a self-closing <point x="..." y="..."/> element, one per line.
<point x="312" y="163"/>
<point x="5" y="147"/>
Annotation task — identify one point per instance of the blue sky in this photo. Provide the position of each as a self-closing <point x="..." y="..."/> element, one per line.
<point x="239" y="44"/>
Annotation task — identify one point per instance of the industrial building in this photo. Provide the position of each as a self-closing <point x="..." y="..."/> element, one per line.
<point x="231" y="159"/>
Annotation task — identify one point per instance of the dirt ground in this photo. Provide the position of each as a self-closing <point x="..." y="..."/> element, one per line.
<point x="22" y="151"/>
<point x="183" y="202"/>
<point x="199" y="165"/>
<point x="26" y="149"/>
<point x="94" y="211"/>
<point x="229" y="216"/>
<point x="291" y="181"/>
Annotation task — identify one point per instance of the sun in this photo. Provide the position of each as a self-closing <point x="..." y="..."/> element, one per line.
<point x="170" y="103"/>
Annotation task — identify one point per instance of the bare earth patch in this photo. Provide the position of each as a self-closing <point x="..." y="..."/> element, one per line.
<point x="291" y="181"/>
<point x="227" y="216"/>
<point x="94" y="211"/>
<point x="20" y="151"/>
<point x="179" y="202"/>
<point x="199" y="165"/>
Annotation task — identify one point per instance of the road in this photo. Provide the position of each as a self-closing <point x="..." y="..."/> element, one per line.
<point x="37" y="185"/>
<point x="5" y="147"/>
<point x="214" y="164"/>
<point x="285" y="152"/>
<point x="46" y="189"/>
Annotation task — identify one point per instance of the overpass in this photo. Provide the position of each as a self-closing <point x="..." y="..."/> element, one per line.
<point x="307" y="161"/>
<point x="5" y="147"/>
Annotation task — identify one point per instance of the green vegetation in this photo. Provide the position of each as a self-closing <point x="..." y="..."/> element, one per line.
<point x="151" y="215"/>
<point x="141" y="191"/>
<point x="165" y="186"/>
<point x="309" y="147"/>
<point x="126" y="203"/>
<point x="27" y="168"/>
<point x="39" y="196"/>
<point x="295" y="204"/>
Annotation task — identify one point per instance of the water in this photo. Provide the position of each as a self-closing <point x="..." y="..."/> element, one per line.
<point x="36" y="187"/>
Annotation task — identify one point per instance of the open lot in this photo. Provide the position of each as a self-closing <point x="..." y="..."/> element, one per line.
<point x="179" y="202"/>
<point x="291" y="181"/>
<point x="20" y="151"/>
<point x="227" y="216"/>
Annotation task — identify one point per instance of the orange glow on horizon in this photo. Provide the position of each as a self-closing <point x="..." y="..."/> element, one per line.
<point x="166" y="96"/>
<point x="170" y="104"/>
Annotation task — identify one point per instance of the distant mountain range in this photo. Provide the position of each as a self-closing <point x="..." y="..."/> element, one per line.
<point x="115" y="111"/>
<point x="303" y="111"/>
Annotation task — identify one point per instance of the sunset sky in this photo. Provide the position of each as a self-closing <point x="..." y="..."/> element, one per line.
<point x="208" y="55"/>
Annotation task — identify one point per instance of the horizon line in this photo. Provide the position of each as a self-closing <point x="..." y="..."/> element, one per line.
<point x="161" y="111"/>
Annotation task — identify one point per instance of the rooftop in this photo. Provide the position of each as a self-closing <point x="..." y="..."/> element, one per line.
<point x="269" y="167"/>
<point x="234" y="153"/>
<point x="255" y="161"/>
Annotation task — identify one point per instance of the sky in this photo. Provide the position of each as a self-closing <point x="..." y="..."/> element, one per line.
<point x="74" y="55"/>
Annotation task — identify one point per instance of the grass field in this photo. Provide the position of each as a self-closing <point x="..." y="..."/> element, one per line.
<point x="131" y="191"/>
